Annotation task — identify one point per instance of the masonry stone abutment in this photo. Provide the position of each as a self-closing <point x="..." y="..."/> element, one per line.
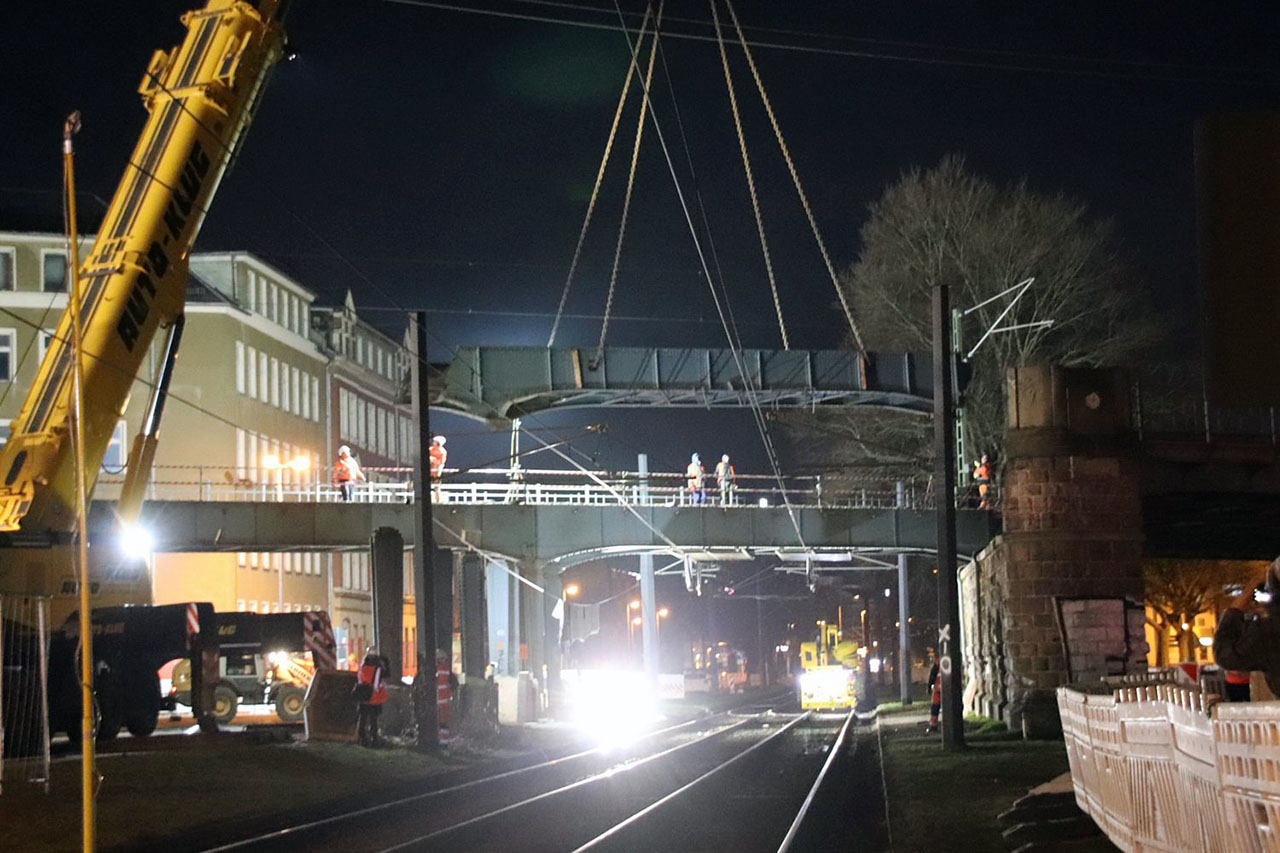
<point x="1056" y="598"/>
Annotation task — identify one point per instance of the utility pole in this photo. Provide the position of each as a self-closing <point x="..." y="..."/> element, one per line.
<point x="904" y="617"/>
<point x="424" y="588"/>
<point x="648" y="592"/>
<point x="949" y="661"/>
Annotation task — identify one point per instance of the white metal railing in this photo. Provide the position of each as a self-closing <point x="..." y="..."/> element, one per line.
<point x="537" y="487"/>
<point x="1158" y="768"/>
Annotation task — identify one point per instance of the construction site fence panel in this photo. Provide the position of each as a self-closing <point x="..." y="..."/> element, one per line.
<point x="1163" y="768"/>
<point x="24" y="696"/>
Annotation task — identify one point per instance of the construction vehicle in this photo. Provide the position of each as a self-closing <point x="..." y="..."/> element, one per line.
<point x="130" y="644"/>
<point x="830" y="666"/>
<point x="264" y="659"/>
<point x="200" y="97"/>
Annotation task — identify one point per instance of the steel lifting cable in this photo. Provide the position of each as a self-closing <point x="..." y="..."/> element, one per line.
<point x="595" y="191"/>
<point x="631" y="180"/>
<point x="795" y="176"/>
<point x="734" y="349"/>
<point x="751" y="180"/>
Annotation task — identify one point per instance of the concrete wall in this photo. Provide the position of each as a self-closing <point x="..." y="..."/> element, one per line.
<point x="1057" y="597"/>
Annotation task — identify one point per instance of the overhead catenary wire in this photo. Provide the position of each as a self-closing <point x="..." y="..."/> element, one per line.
<point x="751" y="180"/>
<point x="795" y="175"/>
<point x="874" y="55"/>
<point x="631" y="176"/>
<point x="595" y="190"/>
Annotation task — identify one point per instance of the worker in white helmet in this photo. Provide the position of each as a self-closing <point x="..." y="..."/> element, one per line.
<point x="438" y="456"/>
<point x="726" y="480"/>
<point x="346" y="471"/>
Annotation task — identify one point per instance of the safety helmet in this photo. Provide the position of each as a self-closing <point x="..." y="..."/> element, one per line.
<point x="372" y="650"/>
<point x="344" y="451"/>
<point x="439" y="439"/>
<point x="724" y="458"/>
<point x="693" y="458"/>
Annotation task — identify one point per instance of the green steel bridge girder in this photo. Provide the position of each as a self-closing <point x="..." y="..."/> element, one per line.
<point x="542" y="535"/>
<point x="497" y="383"/>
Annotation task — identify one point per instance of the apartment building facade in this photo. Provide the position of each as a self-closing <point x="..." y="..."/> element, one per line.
<point x="266" y="387"/>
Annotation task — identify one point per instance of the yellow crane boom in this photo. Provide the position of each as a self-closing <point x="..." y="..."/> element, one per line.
<point x="200" y="97"/>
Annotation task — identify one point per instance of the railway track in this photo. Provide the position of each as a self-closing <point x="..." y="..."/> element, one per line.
<point x="727" y="782"/>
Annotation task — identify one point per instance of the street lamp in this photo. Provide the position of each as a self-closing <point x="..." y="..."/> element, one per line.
<point x="273" y="463"/>
<point x="571" y="590"/>
<point x="663" y="613"/>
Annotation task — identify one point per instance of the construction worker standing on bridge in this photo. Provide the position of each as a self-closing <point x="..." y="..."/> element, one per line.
<point x="726" y="480"/>
<point x="982" y="476"/>
<point x="696" y="476"/>
<point x="437" y="457"/>
<point x="346" y="471"/>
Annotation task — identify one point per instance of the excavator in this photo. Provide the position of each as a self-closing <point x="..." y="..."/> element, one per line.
<point x="199" y="97"/>
<point x="829" y="670"/>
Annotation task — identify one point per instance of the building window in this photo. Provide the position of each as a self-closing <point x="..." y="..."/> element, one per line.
<point x="295" y="393"/>
<point x="344" y="420"/>
<point x="7" y="281"/>
<point x="240" y="380"/>
<point x="113" y="460"/>
<point x="240" y="604"/>
<point x="315" y="399"/>
<point x="8" y="340"/>
<point x="253" y="606"/>
<point x="250" y="290"/>
<point x="275" y="381"/>
<point x="263" y="382"/>
<point x="262" y="296"/>
<point x="55" y="271"/>
<point x="46" y="337"/>
<point x="284" y="387"/>
<point x="251" y="372"/>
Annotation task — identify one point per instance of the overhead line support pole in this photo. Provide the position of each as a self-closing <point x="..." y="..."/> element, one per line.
<point x="949" y="660"/>
<point x="423" y="544"/>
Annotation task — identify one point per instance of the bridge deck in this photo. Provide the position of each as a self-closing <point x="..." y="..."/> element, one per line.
<point x="503" y="382"/>
<point x="548" y="533"/>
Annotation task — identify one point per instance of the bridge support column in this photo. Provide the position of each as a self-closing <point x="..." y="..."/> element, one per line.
<point x="1057" y="597"/>
<point x="469" y="569"/>
<point x="552" y="649"/>
<point x="503" y="609"/>
<point x="387" y="557"/>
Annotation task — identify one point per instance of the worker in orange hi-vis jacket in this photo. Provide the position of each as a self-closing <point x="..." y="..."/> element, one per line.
<point x="346" y="471"/>
<point x="982" y="476"/>
<point x="437" y="457"/>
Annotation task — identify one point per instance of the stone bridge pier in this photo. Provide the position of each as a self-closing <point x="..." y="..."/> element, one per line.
<point x="1057" y="597"/>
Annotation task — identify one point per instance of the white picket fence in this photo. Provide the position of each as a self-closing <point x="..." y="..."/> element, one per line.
<point x="1157" y="770"/>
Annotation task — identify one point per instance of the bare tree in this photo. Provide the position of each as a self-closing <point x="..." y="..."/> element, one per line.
<point x="1179" y="589"/>
<point x="947" y="225"/>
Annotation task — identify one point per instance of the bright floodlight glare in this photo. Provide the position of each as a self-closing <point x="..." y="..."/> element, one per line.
<point x="299" y="463"/>
<point x="136" y="541"/>
<point x="635" y="605"/>
<point x="664" y="612"/>
<point x="637" y="621"/>
<point x="572" y="589"/>
<point x="613" y="707"/>
<point x="270" y="461"/>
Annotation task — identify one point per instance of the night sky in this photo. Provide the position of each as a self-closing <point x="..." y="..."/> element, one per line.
<point x="441" y="159"/>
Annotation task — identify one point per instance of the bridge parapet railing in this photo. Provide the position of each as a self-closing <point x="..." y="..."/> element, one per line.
<point x="539" y="487"/>
<point x="1170" y="414"/>
<point x="1165" y="767"/>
